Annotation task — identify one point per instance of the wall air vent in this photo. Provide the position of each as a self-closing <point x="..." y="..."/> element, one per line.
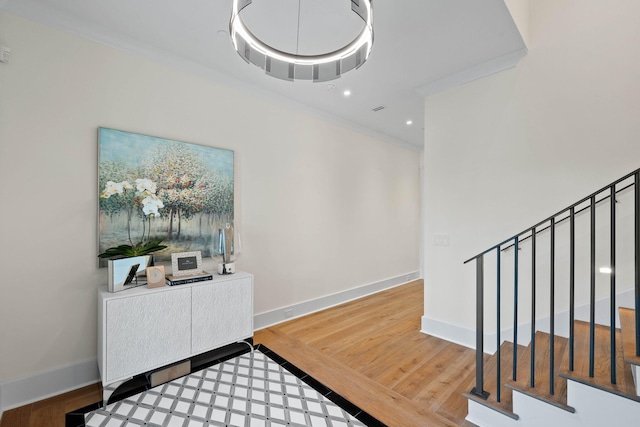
<point x="379" y="108"/>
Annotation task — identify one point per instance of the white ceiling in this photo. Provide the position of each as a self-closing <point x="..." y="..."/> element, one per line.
<point x="420" y="47"/>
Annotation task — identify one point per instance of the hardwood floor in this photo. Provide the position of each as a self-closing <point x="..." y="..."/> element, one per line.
<point x="369" y="350"/>
<point x="372" y="352"/>
<point x="50" y="412"/>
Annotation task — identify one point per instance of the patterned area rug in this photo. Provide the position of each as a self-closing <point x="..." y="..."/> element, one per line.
<point x="252" y="390"/>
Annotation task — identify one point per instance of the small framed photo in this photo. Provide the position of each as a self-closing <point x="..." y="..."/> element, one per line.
<point x="186" y="263"/>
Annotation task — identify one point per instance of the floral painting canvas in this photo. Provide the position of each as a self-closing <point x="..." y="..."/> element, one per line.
<point x="151" y="188"/>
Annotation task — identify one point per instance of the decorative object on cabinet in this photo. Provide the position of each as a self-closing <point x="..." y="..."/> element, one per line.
<point x="186" y="263"/>
<point x="139" y="249"/>
<point x="123" y="272"/>
<point x="191" y="278"/>
<point x="155" y="276"/>
<point x="155" y="188"/>
<point x="224" y="247"/>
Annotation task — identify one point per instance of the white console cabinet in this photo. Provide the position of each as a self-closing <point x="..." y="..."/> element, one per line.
<point x="143" y="329"/>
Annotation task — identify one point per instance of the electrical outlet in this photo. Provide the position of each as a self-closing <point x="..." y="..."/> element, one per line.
<point x="441" y="240"/>
<point x="288" y="314"/>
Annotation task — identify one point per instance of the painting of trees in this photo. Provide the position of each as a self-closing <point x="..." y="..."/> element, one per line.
<point x="157" y="188"/>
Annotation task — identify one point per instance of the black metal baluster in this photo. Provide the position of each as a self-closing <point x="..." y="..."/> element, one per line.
<point x="612" y="297"/>
<point x="515" y="309"/>
<point x="498" y="328"/>
<point x="637" y="256"/>
<point x="592" y="301"/>
<point x="572" y="283"/>
<point x="478" y="390"/>
<point x="532" y="371"/>
<point x="573" y="211"/>
<point x="552" y="310"/>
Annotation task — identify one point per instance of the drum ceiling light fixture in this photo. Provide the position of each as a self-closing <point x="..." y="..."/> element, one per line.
<point x="289" y="66"/>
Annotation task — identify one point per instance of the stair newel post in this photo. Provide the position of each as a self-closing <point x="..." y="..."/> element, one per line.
<point x="612" y="233"/>
<point x="498" y="269"/>
<point x="592" y="299"/>
<point x="478" y="390"/>
<point x="515" y="308"/>
<point x="572" y="283"/>
<point x="552" y="309"/>
<point x="637" y="255"/>
<point x="532" y="371"/>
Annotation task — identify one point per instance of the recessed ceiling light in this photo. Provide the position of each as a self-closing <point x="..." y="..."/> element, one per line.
<point x="409" y="122"/>
<point x="222" y="33"/>
<point x="346" y="93"/>
<point x="330" y="87"/>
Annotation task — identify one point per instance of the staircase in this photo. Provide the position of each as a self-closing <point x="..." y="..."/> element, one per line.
<point x="523" y="405"/>
<point x="565" y="371"/>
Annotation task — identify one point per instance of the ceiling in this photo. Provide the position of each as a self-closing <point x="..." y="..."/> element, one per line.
<point x="420" y="47"/>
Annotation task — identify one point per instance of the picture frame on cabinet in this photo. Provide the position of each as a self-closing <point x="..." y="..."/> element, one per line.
<point x="123" y="273"/>
<point x="186" y="263"/>
<point x="155" y="276"/>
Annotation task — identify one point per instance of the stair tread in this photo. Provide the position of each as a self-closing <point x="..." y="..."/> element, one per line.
<point x="602" y="366"/>
<point x="496" y="406"/>
<point x="541" y="389"/>
<point x="628" y="329"/>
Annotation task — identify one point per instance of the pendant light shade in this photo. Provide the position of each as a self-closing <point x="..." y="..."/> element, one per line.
<point x="289" y="66"/>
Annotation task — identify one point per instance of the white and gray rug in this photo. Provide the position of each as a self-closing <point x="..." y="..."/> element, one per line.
<point x="251" y="390"/>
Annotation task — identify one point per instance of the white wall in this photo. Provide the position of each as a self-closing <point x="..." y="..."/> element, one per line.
<point x="322" y="208"/>
<point x="520" y="11"/>
<point x="508" y="150"/>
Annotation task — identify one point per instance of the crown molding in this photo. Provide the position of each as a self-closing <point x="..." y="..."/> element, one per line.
<point x="476" y="72"/>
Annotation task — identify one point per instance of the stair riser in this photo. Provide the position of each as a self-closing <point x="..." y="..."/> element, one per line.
<point x="635" y="370"/>
<point x="531" y="412"/>
<point x="482" y="416"/>
<point x="598" y="408"/>
<point x="594" y="408"/>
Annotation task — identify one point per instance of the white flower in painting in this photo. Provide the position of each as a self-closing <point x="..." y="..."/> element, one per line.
<point x="151" y="210"/>
<point x="114" y="188"/>
<point x="145" y="195"/>
<point x="145" y="185"/>
<point x="153" y="200"/>
<point x="151" y="204"/>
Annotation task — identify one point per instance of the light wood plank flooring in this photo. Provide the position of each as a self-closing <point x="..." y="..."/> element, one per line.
<point x="369" y="350"/>
<point x="372" y="352"/>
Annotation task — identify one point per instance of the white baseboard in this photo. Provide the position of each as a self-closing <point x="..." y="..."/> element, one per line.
<point x="454" y="333"/>
<point x="467" y="337"/>
<point x="23" y="391"/>
<point x="270" y="318"/>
